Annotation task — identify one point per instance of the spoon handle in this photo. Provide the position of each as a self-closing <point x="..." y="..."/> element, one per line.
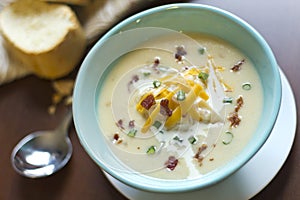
<point x="63" y="127"/>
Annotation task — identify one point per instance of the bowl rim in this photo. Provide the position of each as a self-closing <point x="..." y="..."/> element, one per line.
<point x="219" y="176"/>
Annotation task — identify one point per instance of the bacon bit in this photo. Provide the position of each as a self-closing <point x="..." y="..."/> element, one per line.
<point x="155" y="64"/>
<point x="234" y="119"/>
<point x="148" y="102"/>
<point x="198" y="155"/>
<point x="156" y="61"/>
<point x="239" y="104"/>
<point x="180" y="52"/>
<point x="134" y="79"/>
<point x="199" y="159"/>
<point x="237" y="67"/>
<point x="131" y="124"/>
<point x="117" y="139"/>
<point x="120" y="124"/>
<point x="164" y="108"/>
<point x="116" y="136"/>
<point x="211" y="159"/>
<point x="178" y="57"/>
<point x="171" y="163"/>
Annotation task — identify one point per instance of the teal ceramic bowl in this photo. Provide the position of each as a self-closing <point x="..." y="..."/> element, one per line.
<point x="179" y="17"/>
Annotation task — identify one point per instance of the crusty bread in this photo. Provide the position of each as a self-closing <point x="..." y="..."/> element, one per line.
<point x="74" y="2"/>
<point x="46" y="37"/>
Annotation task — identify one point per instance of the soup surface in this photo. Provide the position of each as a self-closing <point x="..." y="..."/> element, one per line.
<point x="179" y="107"/>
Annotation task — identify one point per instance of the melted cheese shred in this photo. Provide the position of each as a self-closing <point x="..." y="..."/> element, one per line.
<point x="193" y="90"/>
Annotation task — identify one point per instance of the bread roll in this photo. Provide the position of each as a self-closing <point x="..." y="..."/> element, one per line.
<point x="46" y="37"/>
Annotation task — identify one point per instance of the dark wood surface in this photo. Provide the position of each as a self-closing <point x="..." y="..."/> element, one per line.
<point x="24" y="103"/>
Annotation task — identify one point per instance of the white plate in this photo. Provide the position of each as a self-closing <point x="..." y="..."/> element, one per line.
<point x="252" y="177"/>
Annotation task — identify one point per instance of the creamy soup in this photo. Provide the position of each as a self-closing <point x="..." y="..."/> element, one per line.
<point x="177" y="109"/>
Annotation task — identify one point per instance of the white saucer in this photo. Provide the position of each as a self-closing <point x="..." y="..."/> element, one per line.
<point x="252" y="177"/>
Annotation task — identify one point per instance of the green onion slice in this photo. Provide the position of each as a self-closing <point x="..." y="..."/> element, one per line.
<point x="156" y="84"/>
<point x="132" y="133"/>
<point x="151" y="150"/>
<point x="202" y="50"/>
<point x="147" y="74"/>
<point x="180" y="95"/>
<point x="192" y="140"/>
<point x="177" y="139"/>
<point x="227" y="100"/>
<point x="157" y="124"/>
<point x="247" y="86"/>
<point x="229" y="138"/>
<point x="203" y="76"/>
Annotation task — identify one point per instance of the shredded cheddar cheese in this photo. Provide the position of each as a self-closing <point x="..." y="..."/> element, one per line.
<point x="186" y="82"/>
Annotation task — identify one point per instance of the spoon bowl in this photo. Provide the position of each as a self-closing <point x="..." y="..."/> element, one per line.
<point x="42" y="153"/>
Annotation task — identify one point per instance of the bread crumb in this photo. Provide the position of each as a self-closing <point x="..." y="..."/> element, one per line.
<point x="63" y="87"/>
<point x="52" y="109"/>
<point x="68" y="100"/>
<point x="63" y="90"/>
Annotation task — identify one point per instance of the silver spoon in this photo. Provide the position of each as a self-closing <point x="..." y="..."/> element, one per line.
<point x="42" y="153"/>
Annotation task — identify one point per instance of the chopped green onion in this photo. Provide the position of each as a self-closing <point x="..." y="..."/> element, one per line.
<point x="203" y="76"/>
<point x="202" y="50"/>
<point x="180" y="95"/>
<point x="247" y="86"/>
<point x="146" y="74"/>
<point x="227" y="100"/>
<point x="192" y="140"/>
<point x="132" y="133"/>
<point x="177" y="139"/>
<point x="157" y="124"/>
<point x="229" y="139"/>
<point x="156" y="84"/>
<point x="151" y="150"/>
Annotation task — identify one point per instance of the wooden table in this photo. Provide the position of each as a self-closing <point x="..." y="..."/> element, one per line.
<point x="24" y="103"/>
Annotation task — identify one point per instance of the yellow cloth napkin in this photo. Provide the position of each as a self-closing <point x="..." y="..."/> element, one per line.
<point x="96" y="17"/>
